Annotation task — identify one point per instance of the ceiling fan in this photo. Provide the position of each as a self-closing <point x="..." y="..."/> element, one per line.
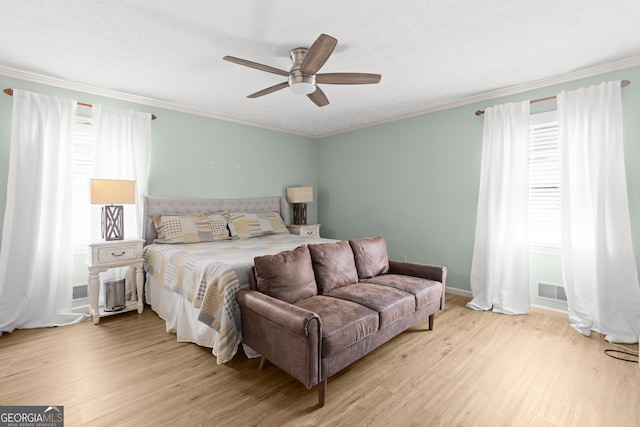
<point x="303" y="77"/>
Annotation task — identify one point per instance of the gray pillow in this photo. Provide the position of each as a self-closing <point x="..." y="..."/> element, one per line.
<point x="287" y="275"/>
<point x="371" y="256"/>
<point x="334" y="265"/>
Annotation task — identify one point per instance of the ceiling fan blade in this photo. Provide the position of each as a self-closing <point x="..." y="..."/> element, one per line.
<point x="318" y="54"/>
<point x="257" y="66"/>
<point x="319" y="98"/>
<point x="269" y="90"/>
<point x="348" y="78"/>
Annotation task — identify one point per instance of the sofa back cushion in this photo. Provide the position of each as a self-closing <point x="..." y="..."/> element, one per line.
<point x="287" y="275"/>
<point x="333" y="265"/>
<point x="371" y="256"/>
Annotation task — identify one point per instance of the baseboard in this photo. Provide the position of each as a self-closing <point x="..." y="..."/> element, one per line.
<point x="459" y="292"/>
<point x="543" y="307"/>
<point x="81" y="309"/>
<point x="467" y="294"/>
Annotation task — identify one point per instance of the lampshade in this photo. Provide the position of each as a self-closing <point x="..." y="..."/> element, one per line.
<point x="300" y="194"/>
<point x="112" y="192"/>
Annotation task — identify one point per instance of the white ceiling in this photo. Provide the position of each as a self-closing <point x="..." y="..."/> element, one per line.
<point x="430" y="53"/>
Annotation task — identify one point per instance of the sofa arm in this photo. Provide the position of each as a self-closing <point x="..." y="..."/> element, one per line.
<point x="425" y="271"/>
<point x="288" y="336"/>
<point x="287" y="316"/>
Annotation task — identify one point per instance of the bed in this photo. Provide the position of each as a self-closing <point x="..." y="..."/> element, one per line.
<point x="191" y="281"/>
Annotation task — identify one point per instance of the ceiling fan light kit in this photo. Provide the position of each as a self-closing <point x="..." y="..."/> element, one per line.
<point x="303" y="77"/>
<point x="303" y="85"/>
<point x="300" y="83"/>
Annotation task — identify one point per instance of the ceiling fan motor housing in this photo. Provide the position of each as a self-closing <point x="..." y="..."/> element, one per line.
<point x="303" y="75"/>
<point x="300" y="83"/>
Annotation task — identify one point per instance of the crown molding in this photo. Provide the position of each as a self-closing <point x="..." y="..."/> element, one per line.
<point x="513" y="90"/>
<point x="538" y="84"/>
<point x="64" y="84"/>
<point x="122" y="96"/>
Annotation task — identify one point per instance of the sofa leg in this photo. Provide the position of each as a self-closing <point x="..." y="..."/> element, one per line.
<point x="322" y="388"/>
<point x="262" y="361"/>
<point x="431" y="319"/>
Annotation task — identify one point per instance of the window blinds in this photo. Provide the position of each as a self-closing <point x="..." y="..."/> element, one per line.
<point x="83" y="153"/>
<point x="544" y="185"/>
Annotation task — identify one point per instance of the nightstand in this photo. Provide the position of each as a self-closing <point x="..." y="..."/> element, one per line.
<point x="307" y="230"/>
<point x="117" y="253"/>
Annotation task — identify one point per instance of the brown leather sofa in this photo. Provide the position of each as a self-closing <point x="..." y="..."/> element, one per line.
<point x="316" y="309"/>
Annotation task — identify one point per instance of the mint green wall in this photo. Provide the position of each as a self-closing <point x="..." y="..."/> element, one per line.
<point x="193" y="156"/>
<point x="196" y="156"/>
<point x="415" y="182"/>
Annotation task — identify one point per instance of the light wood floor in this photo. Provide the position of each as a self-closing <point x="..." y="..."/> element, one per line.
<point x="474" y="369"/>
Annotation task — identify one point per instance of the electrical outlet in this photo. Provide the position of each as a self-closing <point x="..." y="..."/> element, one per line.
<point x="404" y="258"/>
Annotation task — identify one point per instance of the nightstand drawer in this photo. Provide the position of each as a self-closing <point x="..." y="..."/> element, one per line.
<point x="306" y="230"/>
<point x="117" y="253"/>
<point x="309" y="232"/>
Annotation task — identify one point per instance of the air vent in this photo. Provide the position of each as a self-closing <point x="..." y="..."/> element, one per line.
<point x="80" y="292"/>
<point x="551" y="291"/>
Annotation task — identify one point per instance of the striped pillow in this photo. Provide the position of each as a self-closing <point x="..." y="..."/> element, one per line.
<point x="245" y="224"/>
<point x="191" y="228"/>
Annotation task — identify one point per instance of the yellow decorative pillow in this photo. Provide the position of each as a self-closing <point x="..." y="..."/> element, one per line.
<point x="191" y="228"/>
<point x="245" y="224"/>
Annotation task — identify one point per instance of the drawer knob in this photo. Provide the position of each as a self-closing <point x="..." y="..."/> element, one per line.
<point x="120" y="254"/>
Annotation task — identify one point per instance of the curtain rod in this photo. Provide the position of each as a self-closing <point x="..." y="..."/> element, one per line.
<point x="623" y="83"/>
<point x="82" y="104"/>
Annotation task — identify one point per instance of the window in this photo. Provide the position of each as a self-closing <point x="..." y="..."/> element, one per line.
<point x="83" y="153"/>
<point x="544" y="181"/>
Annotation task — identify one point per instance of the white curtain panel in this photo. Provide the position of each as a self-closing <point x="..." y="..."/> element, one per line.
<point x="36" y="254"/>
<point x="500" y="266"/>
<point x="598" y="261"/>
<point x="122" y="151"/>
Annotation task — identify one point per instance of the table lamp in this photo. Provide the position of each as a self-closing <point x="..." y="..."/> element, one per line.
<point x="113" y="193"/>
<point x="300" y="196"/>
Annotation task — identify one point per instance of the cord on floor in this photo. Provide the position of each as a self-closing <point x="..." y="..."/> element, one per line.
<point x="627" y="352"/>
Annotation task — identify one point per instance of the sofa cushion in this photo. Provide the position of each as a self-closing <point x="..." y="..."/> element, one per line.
<point x="333" y="265"/>
<point x="390" y="303"/>
<point x="343" y="322"/>
<point x="287" y="275"/>
<point x="371" y="256"/>
<point x="424" y="290"/>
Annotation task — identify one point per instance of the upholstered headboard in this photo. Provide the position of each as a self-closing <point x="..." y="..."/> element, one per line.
<point x="154" y="205"/>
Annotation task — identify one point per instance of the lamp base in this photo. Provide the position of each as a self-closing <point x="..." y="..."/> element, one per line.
<point x="113" y="222"/>
<point x="300" y="213"/>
